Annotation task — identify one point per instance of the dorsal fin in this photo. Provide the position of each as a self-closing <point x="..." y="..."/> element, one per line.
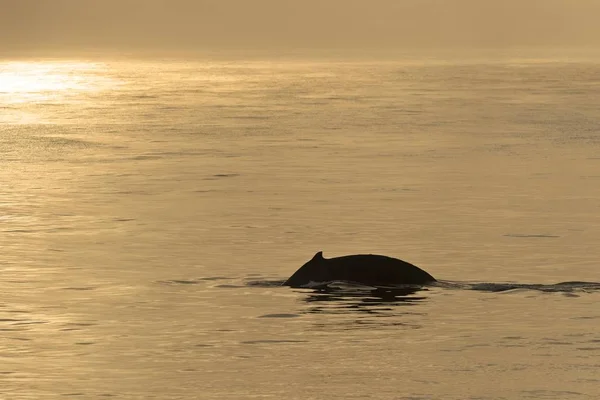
<point x="318" y="256"/>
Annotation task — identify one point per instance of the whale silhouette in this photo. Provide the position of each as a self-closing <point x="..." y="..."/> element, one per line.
<point x="365" y="269"/>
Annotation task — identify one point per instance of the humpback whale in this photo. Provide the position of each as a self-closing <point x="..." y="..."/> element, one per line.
<point x="365" y="269"/>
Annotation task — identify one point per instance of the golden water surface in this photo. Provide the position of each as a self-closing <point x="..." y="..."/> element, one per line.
<point x="149" y="210"/>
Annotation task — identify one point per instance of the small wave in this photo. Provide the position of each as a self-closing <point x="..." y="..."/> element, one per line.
<point x="192" y="281"/>
<point x="265" y="283"/>
<point x="218" y="176"/>
<point x="279" y="316"/>
<point x="523" y="235"/>
<point x="273" y="341"/>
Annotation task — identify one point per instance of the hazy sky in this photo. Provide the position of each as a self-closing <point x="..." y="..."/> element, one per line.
<point x="199" y="25"/>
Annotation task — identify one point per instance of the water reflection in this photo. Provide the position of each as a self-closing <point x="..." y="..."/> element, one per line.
<point x="340" y="298"/>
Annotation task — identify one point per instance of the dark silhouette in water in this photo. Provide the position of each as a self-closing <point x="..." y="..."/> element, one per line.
<point x="365" y="269"/>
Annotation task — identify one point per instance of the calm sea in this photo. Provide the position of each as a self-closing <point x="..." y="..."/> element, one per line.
<point x="150" y="210"/>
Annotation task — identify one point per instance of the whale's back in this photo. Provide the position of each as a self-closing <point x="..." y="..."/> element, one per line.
<point x="377" y="270"/>
<point x="366" y="269"/>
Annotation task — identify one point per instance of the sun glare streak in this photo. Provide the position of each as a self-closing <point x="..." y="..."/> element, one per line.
<point x="27" y="89"/>
<point x="37" y="81"/>
<point x="30" y="79"/>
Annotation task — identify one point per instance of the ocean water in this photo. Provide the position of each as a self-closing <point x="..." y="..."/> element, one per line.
<point x="149" y="211"/>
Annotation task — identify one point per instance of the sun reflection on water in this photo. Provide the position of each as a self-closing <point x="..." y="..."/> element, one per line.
<point x="27" y="86"/>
